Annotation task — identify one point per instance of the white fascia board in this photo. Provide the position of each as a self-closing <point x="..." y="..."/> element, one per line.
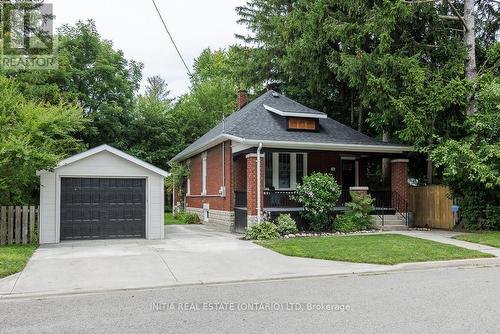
<point x="217" y="140"/>
<point x="328" y="146"/>
<point x="294" y="114"/>
<point x="114" y="151"/>
<point x="238" y="147"/>
<point x="298" y="145"/>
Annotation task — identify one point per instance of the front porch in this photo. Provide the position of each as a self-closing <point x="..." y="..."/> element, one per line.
<point x="281" y="171"/>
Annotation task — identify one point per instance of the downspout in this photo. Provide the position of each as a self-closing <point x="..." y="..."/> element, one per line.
<point x="258" y="183"/>
<point x="223" y="187"/>
<point x="173" y="195"/>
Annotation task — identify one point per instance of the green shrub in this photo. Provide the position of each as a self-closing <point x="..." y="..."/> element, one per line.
<point x="358" y="217"/>
<point x="286" y="225"/>
<point x="319" y="193"/>
<point x="188" y="217"/>
<point x="263" y="231"/>
<point x="345" y="223"/>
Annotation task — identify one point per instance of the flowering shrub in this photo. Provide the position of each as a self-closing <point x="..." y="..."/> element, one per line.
<point x="319" y="192"/>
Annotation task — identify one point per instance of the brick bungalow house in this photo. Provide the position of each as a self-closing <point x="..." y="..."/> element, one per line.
<point x="250" y="163"/>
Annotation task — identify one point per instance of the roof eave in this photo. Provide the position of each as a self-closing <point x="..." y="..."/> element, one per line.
<point x="329" y="146"/>
<point x="215" y="141"/>
<point x="294" y="114"/>
<point x="111" y="150"/>
<point x="297" y="145"/>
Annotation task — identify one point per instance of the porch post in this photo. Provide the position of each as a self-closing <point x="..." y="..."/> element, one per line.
<point x="360" y="190"/>
<point x="252" y="187"/>
<point x="399" y="177"/>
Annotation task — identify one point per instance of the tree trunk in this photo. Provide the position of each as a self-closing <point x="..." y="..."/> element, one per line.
<point x="360" y="120"/>
<point x="429" y="170"/>
<point x="352" y="108"/>
<point x="470" y="44"/>
<point x="386" y="162"/>
<point x="430" y="165"/>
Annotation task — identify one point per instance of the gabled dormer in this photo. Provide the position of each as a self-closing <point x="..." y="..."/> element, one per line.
<point x="298" y="118"/>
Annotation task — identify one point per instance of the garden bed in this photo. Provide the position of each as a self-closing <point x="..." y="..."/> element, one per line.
<point x="378" y="249"/>
<point x="182" y="218"/>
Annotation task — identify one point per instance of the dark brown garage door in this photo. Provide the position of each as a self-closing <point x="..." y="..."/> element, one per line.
<point x="102" y="208"/>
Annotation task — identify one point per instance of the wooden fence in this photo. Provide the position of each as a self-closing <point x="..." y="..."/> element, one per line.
<point x="431" y="206"/>
<point x="18" y="224"/>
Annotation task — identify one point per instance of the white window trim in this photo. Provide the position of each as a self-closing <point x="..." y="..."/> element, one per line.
<point x="204" y="174"/>
<point x="293" y="170"/>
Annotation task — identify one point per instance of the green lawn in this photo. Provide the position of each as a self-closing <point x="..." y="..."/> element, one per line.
<point x="484" y="238"/>
<point x="170" y="220"/>
<point x="379" y="249"/>
<point x="13" y="258"/>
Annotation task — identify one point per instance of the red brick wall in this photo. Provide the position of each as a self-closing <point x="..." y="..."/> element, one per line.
<point x="399" y="177"/>
<point x="214" y="179"/>
<point x="240" y="173"/>
<point x="252" y="184"/>
<point x="319" y="161"/>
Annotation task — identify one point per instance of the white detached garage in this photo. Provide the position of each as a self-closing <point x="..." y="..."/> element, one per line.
<point x="102" y="193"/>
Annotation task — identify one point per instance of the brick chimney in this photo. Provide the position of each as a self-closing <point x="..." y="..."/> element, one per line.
<point x="242" y="99"/>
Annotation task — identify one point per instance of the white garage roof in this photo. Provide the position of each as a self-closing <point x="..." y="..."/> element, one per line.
<point x="114" y="151"/>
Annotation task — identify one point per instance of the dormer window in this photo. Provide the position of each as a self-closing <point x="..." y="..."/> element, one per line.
<point x="298" y="119"/>
<point x="298" y="123"/>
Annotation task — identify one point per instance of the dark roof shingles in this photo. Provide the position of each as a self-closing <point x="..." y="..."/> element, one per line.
<point x="253" y="121"/>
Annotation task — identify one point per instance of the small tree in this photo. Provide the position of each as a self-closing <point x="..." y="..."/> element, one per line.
<point x="178" y="174"/>
<point x="358" y="217"/>
<point x="319" y="192"/>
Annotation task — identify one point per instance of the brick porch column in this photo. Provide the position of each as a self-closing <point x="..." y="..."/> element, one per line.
<point x="399" y="177"/>
<point x="252" y="187"/>
<point x="360" y="190"/>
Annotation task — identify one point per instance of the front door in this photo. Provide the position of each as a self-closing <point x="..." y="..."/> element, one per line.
<point x="348" y="174"/>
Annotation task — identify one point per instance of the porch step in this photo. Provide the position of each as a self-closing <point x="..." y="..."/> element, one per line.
<point x="391" y="223"/>
<point x="393" y="228"/>
<point x="388" y="217"/>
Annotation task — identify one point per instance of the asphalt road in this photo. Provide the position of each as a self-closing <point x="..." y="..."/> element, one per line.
<point x="433" y="301"/>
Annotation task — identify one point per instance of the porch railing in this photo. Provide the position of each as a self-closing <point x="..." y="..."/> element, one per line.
<point x="240" y="199"/>
<point x="280" y="199"/>
<point x="382" y="198"/>
<point x="387" y="199"/>
<point x="345" y="197"/>
<point x="401" y="206"/>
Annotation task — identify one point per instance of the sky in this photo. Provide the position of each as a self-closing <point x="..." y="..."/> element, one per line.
<point x="135" y="28"/>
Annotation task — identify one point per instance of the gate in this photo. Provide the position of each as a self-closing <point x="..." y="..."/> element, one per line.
<point x="240" y="220"/>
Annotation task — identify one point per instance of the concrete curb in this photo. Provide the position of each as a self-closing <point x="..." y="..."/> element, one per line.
<point x="403" y="267"/>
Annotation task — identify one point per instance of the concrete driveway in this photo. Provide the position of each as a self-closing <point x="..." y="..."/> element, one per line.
<point x="190" y="254"/>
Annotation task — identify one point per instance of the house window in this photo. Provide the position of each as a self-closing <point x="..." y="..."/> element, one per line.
<point x="296" y="123"/>
<point x="284" y="170"/>
<point x="204" y="174"/>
